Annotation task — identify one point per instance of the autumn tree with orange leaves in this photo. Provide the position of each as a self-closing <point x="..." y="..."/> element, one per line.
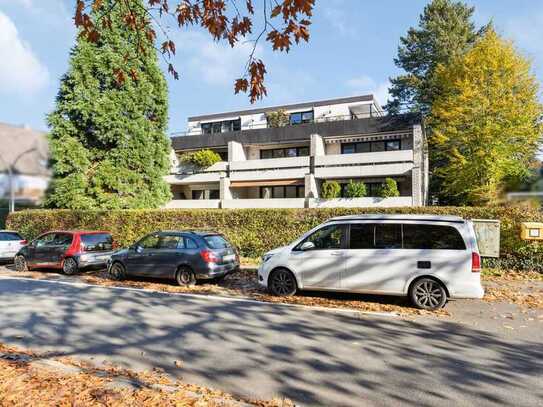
<point x="281" y="23"/>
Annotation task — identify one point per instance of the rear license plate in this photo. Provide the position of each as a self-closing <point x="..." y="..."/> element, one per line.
<point x="229" y="257"/>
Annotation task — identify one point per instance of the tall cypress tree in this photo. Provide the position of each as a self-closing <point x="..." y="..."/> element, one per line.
<point x="445" y="32"/>
<point x="108" y="142"/>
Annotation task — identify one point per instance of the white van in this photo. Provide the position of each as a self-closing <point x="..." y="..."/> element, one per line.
<point x="428" y="258"/>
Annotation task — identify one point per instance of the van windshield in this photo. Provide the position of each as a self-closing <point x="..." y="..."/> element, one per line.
<point x="97" y="242"/>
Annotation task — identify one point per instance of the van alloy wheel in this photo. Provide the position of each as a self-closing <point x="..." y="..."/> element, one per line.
<point x="117" y="271"/>
<point x="428" y="294"/>
<point x="282" y="283"/>
<point x="69" y="266"/>
<point x="20" y="263"/>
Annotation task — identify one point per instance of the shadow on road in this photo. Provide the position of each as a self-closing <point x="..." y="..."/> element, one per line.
<point x="263" y="349"/>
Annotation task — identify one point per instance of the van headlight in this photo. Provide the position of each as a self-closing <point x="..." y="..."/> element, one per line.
<point x="266" y="257"/>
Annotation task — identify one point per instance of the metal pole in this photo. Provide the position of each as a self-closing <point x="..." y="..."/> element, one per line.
<point x="11" y="190"/>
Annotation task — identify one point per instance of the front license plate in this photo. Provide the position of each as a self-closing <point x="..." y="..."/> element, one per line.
<point x="229" y="257"/>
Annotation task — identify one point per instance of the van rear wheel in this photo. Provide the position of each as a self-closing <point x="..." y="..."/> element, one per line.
<point x="428" y="294"/>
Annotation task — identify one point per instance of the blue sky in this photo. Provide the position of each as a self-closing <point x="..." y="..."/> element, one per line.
<point x="353" y="43"/>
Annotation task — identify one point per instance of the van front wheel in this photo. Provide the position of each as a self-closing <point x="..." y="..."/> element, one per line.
<point x="428" y="294"/>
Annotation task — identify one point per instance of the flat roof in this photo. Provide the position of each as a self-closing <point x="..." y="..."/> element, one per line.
<point x="303" y="105"/>
<point x="384" y="216"/>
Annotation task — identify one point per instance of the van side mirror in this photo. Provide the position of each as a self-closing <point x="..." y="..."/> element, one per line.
<point x="307" y="246"/>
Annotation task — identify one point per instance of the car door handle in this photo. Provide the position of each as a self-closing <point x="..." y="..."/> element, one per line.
<point x="336" y="253"/>
<point x="424" y="264"/>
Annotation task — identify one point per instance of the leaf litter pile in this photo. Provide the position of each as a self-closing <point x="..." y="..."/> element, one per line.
<point x="31" y="379"/>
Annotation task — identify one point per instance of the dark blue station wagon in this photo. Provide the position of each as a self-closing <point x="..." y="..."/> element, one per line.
<point x="186" y="256"/>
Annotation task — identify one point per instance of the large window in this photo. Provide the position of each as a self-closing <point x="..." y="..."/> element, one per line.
<point x="327" y="238"/>
<point x="97" y="242"/>
<point x="282" y="191"/>
<point x="405" y="236"/>
<point x="206" y="194"/>
<point x="371" y="146"/>
<point x="284" y="152"/>
<point x="301" y="117"/>
<point x="221" y="126"/>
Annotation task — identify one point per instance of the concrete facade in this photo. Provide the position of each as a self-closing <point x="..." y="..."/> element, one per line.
<point x="286" y="166"/>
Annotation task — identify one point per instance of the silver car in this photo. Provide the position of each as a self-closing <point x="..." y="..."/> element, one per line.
<point x="428" y="258"/>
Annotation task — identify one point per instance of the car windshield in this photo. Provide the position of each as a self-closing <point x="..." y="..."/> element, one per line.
<point x="97" y="242"/>
<point x="10" y="236"/>
<point x="216" y="242"/>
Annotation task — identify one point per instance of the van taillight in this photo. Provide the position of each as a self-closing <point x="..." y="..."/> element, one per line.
<point x="209" y="257"/>
<point x="475" y="262"/>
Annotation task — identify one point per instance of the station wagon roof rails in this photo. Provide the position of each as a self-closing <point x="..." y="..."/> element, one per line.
<point x="426" y="218"/>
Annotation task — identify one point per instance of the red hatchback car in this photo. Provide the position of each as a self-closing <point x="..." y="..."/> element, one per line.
<point x="68" y="251"/>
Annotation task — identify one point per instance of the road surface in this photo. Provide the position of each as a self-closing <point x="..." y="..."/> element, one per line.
<point x="267" y="350"/>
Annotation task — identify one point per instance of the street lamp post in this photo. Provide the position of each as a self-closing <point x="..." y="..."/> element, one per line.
<point x="10" y="167"/>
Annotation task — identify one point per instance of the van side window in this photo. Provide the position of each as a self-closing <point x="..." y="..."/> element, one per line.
<point x="327" y="238"/>
<point x="362" y="236"/>
<point x="388" y="236"/>
<point x="432" y="237"/>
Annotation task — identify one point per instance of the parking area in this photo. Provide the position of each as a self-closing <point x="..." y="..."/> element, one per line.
<point x="513" y="301"/>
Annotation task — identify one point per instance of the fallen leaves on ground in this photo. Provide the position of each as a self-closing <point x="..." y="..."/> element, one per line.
<point x="25" y="382"/>
<point x="524" y="289"/>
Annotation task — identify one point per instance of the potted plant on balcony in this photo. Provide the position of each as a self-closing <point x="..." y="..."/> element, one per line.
<point x="355" y="190"/>
<point x="330" y="190"/>
<point x="389" y="189"/>
<point x="279" y="118"/>
<point x="200" y="159"/>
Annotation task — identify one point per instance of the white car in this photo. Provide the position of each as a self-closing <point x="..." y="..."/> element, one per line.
<point x="428" y="258"/>
<point x="10" y="243"/>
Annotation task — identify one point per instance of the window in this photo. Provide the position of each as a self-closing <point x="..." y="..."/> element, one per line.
<point x="221" y="126"/>
<point x="97" y="242"/>
<point x="388" y="236"/>
<point x="190" y="243"/>
<point x="214" y="194"/>
<point x="168" y="242"/>
<point x="371" y="146"/>
<point x="432" y="237"/>
<point x="362" y="236"/>
<point x="301" y="117"/>
<point x="62" y="239"/>
<point x="284" y="152"/>
<point x="149" y="242"/>
<point x="10" y="236"/>
<point x="45" y="240"/>
<point x="277" y="192"/>
<point x="205" y="194"/>
<point x="198" y="194"/>
<point x="327" y="238"/>
<point x="216" y="242"/>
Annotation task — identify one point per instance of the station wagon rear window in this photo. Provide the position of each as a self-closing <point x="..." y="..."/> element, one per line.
<point x="216" y="242"/>
<point x="97" y="242"/>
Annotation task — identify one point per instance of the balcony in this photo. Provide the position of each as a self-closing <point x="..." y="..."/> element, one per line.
<point x="272" y="168"/>
<point x="184" y="174"/>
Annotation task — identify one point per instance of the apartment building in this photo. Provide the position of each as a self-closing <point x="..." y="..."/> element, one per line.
<point x="266" y="164"/>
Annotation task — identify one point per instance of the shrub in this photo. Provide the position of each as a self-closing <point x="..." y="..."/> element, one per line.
<point x="330" y="190"/>
<point x="256" y="231"/>
<point x="280" y="118"/>
<point x="389" y="189"/>
<point x="201" y="158"/>
<point x="355" y="189"/>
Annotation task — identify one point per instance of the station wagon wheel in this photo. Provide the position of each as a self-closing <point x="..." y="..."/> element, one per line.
<point x="185" y="277"/>
<point x="69" y="266"/>
<point x="428" y="294"/>
<point x="117" y="271"/>
<point x="282" y="283"/>
<point x="20" y="263"/>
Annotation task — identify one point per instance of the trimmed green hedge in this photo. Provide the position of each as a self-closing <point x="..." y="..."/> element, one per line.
<point x="255" y="231"/>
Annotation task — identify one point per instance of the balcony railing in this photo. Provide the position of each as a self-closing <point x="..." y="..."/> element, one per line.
<point x="262" y="125"/>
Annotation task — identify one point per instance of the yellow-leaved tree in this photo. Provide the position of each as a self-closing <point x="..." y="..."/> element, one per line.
<point x="485" y="124"/>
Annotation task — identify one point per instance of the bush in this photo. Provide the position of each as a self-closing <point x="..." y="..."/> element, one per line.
<point x="355" y="189"/>
<point x="330" y="190"/>
<point x="389" y="189"/>
<point x="256" y="231"/>
<point x="201" y="158"/>
<point x="280" y="118"/>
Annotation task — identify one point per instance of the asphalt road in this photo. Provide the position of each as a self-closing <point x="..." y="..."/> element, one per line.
<point x="266" y="350"/>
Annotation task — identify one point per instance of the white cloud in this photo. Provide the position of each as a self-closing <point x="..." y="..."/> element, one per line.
<point x="334" y="12"/>
<point x="215" y="63"/>
<point x="365" y="84"/>
<point x="21" y="72"/>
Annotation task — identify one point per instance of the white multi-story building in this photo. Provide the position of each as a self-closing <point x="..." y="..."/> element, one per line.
<point x="284" y="167"/>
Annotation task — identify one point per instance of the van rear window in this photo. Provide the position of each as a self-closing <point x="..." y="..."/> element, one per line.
<point x="434" y="237"/>
<point x="97" y="242"/>
<point x="216" y="242"/>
